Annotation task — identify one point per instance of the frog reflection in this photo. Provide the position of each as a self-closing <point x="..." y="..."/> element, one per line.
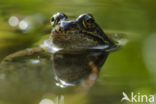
<point x="77" y="68"/>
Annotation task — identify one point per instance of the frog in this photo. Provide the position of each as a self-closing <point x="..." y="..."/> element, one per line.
<point x="77" y="49"/>
<point x="83" y="32"/>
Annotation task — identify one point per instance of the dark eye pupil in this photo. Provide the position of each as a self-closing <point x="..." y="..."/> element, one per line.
<point x="52" y="19"/>
<point x="90" y="20"/>
<point x="58" y="19"/>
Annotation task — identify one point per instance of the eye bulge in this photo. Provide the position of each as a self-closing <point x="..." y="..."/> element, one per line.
<point x="52" y="19"/>
<point x="57" y="17"/>
<point x="89" y="22"/>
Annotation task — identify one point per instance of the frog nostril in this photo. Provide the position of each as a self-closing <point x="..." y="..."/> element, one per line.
<point x="66" y="25"/>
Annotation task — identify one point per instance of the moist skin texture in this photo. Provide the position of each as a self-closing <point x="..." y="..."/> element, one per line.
<point x="83" y="32"/>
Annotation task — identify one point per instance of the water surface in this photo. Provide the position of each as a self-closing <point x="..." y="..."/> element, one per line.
<point x="130" y="69"/>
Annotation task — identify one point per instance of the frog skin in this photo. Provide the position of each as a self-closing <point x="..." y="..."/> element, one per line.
<point x="83" y="32"/>
<point x="70" y="67"/>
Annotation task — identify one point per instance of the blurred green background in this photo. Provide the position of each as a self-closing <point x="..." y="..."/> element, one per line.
<point x="133" y="68"/>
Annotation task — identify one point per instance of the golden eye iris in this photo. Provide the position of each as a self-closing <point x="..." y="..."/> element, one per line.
<point x="89" y="23"/>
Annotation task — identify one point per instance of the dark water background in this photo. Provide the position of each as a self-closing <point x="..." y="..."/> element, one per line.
<point x="130" y="69"/>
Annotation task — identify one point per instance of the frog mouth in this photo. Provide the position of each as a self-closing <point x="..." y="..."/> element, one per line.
<point x="76" y="39"/>
<point x="73" y="33"/>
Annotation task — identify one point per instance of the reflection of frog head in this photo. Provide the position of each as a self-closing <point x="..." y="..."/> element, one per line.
<point x="81" y="32"/>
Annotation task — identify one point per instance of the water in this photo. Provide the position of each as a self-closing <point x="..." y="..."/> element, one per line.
<point x="130" y="69"/>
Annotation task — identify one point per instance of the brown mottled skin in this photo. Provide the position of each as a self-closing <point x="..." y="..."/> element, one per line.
<point x="83" y="32"/>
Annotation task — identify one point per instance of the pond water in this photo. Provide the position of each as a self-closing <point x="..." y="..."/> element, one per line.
<point x="25" y="23"/>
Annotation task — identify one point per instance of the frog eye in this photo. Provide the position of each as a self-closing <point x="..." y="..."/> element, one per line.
<point x="90" y="20"/>
<point x="52" y="19"/>
<point x="89" y="23"/>
<point x="57" y="17"/>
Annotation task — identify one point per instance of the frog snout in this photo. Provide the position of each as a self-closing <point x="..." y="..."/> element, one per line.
<point x="66" y="25"/>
